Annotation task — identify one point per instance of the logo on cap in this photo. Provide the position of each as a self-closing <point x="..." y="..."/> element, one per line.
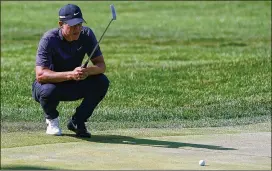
<point x="71" y="14"/>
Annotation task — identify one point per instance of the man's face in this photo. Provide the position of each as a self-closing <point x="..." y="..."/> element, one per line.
<point x="71" y="33"/>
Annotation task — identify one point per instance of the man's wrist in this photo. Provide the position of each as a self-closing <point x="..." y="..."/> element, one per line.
<point x="69" y="76"/>
<point x="88" y="71"/>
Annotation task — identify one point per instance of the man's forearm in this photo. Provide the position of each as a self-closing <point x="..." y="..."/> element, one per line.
<point x="49" y="76"/>
<point x="96" y="69"/>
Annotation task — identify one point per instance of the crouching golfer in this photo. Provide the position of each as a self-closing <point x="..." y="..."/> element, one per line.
<point x="60" y="77"/>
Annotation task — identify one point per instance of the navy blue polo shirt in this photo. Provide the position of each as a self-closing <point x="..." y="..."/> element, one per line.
<point x="57" y="54"/>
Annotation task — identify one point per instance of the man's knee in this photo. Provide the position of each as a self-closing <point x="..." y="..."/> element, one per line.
<point x="48" y="91"/>
<point x="104" y="81"/>
<point x="101" y="81"/>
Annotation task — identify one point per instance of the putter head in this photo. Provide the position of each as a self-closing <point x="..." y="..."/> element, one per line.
<point x="113" y="12"/>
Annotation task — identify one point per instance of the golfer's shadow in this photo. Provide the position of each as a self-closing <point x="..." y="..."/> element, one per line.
<point x="117" y="139"/>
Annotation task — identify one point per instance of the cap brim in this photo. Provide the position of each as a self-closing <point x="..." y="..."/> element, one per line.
<point x="75" y="21"/>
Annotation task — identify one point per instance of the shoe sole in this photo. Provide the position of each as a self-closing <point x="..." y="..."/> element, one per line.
<point x="72" y="128"/>
<point x="89" y="136"/>
<point x="54" y="134"/>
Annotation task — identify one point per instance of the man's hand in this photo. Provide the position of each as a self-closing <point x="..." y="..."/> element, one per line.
<point x="79" y="73"/>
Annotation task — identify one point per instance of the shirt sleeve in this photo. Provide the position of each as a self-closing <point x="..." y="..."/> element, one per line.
<point x="91" y="43"/>
<point x="44" y="53"/>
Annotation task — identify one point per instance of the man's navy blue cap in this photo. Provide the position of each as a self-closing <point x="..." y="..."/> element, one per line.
<point x="71" y="14"/>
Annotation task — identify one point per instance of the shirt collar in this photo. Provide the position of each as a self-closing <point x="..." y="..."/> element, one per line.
<point x="61" y="36"/>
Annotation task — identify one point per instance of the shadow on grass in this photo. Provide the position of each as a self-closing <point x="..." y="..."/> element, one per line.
<point x="21" y="167"/>
<point x="117" y="139"/>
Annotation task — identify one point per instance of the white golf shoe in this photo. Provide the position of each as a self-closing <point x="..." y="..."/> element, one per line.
<point x="53" y="127"/>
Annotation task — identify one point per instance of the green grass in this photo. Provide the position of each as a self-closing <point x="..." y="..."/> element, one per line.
<point x="178" y="62"/>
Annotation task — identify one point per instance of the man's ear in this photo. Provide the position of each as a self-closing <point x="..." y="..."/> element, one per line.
<point x="60" y="23"/>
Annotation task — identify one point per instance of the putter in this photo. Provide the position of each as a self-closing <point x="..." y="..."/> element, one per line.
<point x="113" y="18"/>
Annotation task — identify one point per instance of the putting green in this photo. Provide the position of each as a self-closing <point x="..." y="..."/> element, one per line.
<point x="222" y="148"/>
